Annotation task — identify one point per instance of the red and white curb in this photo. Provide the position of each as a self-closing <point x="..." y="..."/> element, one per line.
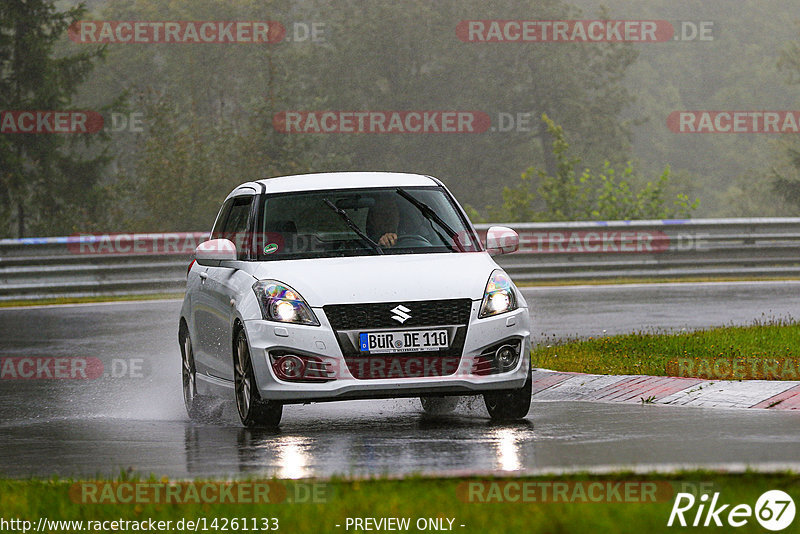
<point x="768" y="394"/>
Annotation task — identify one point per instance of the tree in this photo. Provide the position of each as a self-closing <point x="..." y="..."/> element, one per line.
<point x="606" y="194"/>
<point x="46" y="180"/>
<point x="786" y="177"/>
<point x="406" y="56"/>
<point x="188" y="162"/>
<point x="207" y="112"/>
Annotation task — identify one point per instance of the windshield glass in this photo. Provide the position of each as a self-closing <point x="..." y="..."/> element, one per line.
<point x="361" y="222"/>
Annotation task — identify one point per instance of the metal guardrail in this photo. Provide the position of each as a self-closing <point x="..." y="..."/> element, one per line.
<point x="36" y="268"/>
<point x="656" y="249"/>
<point x="95" y="265"/>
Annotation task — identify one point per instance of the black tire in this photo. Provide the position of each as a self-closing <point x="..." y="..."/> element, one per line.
<point x="509" y="405"/>
<point x="201" y="408"/>
<point x="253" y="410"/>
<point x="439" y="405"/>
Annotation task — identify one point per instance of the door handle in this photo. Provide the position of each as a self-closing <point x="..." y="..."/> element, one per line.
<point x="204" y="276"/>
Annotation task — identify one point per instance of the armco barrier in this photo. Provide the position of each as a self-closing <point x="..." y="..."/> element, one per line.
<point x="655" y="249"/>
<point x="95" y="265"/>
<point x="35" y="268"/>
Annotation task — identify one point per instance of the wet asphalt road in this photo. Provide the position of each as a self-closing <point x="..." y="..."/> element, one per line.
<point x="135" y="421"/>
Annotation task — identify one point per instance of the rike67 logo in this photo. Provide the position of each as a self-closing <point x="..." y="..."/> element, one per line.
<point x="774" y="510"/>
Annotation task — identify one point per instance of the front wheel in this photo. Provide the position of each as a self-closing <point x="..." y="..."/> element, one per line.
<point x="509" y="405"/>
<point x="253" y="410"/>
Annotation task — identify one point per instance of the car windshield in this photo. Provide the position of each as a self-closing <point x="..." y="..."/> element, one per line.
<point x="362" y="222"/>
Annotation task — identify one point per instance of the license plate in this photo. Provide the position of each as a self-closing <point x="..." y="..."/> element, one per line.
<point x="408" y="341"/>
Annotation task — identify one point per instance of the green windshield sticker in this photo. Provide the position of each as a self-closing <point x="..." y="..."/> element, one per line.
<point x="269" y="249"/>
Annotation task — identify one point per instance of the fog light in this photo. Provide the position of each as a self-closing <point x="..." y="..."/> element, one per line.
<point x="290" y="367"/>
<point x="506" y="356"/>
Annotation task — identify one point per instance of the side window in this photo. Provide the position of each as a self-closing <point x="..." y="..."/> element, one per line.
<point x="216" y="232"/>
<point x="236" y="227"/>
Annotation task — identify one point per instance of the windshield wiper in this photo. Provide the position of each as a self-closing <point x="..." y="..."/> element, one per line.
<point x="346" y="218"/>
<point x="431" y="215"/>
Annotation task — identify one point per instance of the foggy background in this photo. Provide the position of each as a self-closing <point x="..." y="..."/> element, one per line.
<point x="185" y="123"/>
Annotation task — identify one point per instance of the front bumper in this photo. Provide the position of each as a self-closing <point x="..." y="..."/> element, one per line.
<point x="321" y="342"/>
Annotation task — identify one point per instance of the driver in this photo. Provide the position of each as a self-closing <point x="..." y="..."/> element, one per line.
<point x="382" y="221"/>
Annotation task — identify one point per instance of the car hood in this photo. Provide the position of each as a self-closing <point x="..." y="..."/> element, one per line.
<point x="386" y="278"/>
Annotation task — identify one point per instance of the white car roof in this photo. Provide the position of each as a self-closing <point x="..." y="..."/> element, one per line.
<point x="336" y="180"/>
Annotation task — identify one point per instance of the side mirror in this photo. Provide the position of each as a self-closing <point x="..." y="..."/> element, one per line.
<point x="211" y="253"/>
<point x="501" y="240"/>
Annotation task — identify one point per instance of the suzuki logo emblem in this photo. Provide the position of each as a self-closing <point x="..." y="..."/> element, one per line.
<point x="401" y="314"/>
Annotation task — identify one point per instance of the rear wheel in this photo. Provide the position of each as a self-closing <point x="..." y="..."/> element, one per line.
<point x="253" y="410"/>
<point x="200" y="408"/>
<point x="511" y="404"/>
<point x="439" y="405"/>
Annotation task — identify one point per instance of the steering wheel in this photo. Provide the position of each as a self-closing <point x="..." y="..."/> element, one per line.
<point x="412" y="240"/>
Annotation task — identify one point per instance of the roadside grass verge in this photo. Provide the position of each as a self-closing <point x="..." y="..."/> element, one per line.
<point x="619" y="502"/>
<point x="767" y="349"/>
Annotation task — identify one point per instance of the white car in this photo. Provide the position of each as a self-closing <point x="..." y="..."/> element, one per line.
<point x="335" y="286"/>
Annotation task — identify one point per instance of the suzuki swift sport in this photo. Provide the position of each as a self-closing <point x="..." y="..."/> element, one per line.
<point x="336" y="286"/>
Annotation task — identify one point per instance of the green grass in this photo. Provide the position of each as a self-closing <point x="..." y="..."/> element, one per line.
<point x="767" y="349"/>
<point x="417" y="497"/>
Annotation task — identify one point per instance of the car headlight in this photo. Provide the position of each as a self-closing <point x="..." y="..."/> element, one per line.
<point x="283" y="304"/>
<point x="499" y="296"/>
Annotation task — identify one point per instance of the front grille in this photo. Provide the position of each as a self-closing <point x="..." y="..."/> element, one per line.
<point x="379" y="315"/>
